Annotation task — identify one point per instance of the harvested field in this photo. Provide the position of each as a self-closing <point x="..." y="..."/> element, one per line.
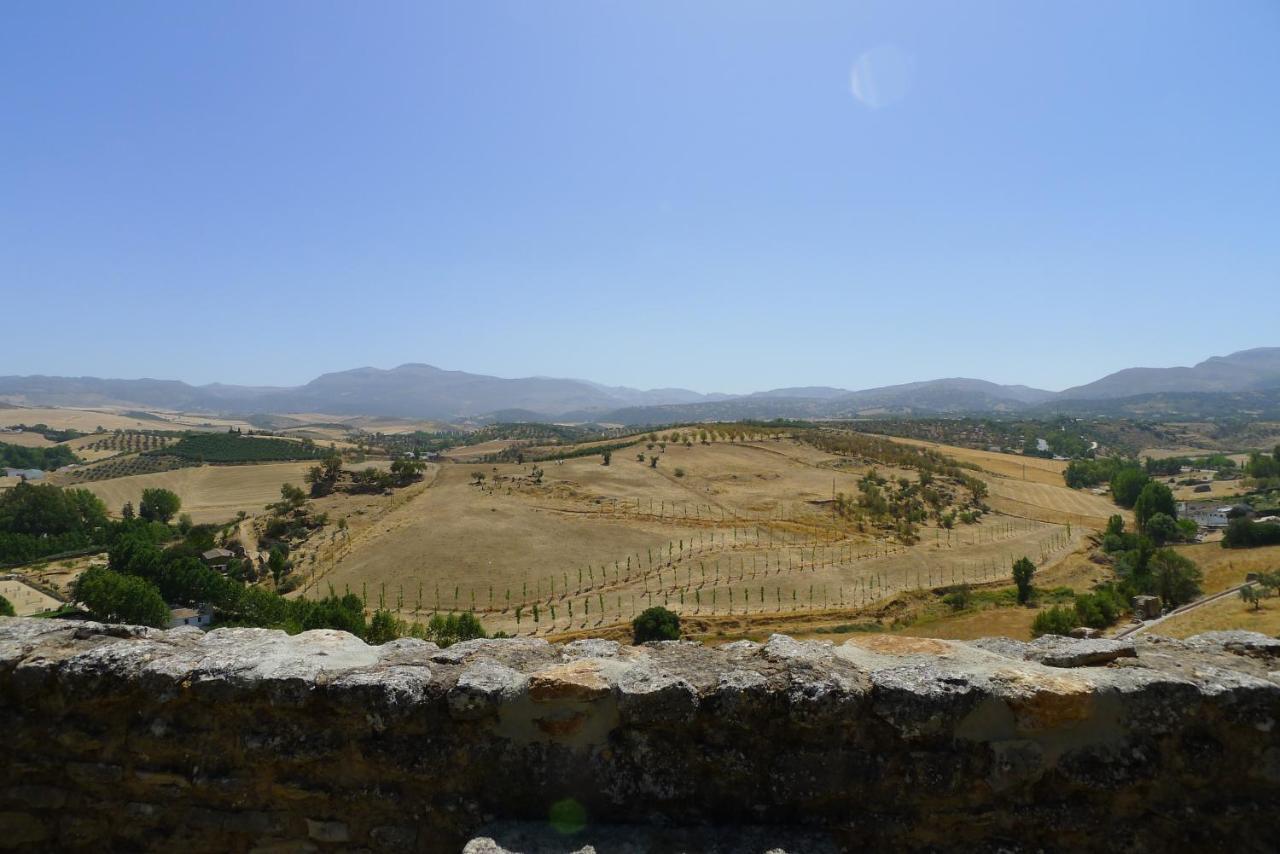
<point x="1015" y="466"/>
<point x="746" y="529"/>
<point x="208" y="493"/>
<point x="1050" y="503"/>
<point x="25" y="439"/>
<point x="26" y="600"/>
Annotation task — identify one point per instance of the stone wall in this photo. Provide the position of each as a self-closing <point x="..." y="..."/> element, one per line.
<point x="122" y="738"/>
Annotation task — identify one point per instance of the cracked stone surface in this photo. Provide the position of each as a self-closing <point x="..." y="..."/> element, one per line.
<point x="129" y="738"/>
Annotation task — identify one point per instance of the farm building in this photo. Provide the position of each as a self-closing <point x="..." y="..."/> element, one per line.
<point x="25" y="474"/>
<point x="200" y="618"/>
<point x="217" y="559"/>
<point x="1212" y="515"/>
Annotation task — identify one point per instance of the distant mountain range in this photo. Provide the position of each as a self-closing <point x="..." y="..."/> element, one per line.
<point x="1247" y="382"/>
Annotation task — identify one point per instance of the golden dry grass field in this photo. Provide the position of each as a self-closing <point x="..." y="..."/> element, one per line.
<point x="25" y="439"/>
<point x="208" y="493"/>
<point x="720" y="531"/>
<point x="89" y="420"/>
<point x="1015" y="466"/>
<point x="1229" y="612"/>
<point x="24" y="599"/>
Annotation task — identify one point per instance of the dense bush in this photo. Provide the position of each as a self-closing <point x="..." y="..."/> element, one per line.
<point x="1058" y="620"/>
<point x="656" y="623"/>
<point x="6" y="607"/>
<point x="22" y="457"/>
<point x="1101" y="608"/>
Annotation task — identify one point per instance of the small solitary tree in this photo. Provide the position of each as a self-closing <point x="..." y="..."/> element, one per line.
<point x="656" y="623"/>
<point x="606" y="457"/>
<point x="158" y="505"/>
<point x="1249" y="595"/>
<point x="1023" y="571"/>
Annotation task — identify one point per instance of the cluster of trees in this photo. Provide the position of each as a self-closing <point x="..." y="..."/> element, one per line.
<point x="1267" y="584"/>
<point x="325" y="477"/>
<point x="149" y="568"/>
<point x="1082" y="473"/>
<point x="51" y="433"/>
<point x="403" y="472"/>
<point x="1244" y="533"/>
<point x="1170" y="466"/>
<point x="1097" y="610"/>
<point x="1143" y="566"/>
<point x="1264" y="466"/>
<point x="48" y="459"/>
<point x="40" y="519"/>
<point x="235" y="448"/>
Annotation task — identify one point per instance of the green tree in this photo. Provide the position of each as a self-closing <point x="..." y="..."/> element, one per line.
<point x="1127" y="485"/>
<point x="1023" y="571"/>
<point x="1154" y="498"/>
<point x="291" y="497"/>
<point x="1249" y="594"/>
<point x="277" y="564"/>
<point x="656" y="623"/>
<point x="1174" y="577"/>
<point x="1161" y="528"/>
<point x="6" y="608"/>
<point x="116" y="598"/>
<point x="606" y="457"/>
<point x="158" y="505"/>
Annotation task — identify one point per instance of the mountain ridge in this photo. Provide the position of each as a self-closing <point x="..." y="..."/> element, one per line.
<point x="420" y="390"/>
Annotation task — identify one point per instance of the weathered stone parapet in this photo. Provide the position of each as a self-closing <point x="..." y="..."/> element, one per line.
<point x="246" y="739"/>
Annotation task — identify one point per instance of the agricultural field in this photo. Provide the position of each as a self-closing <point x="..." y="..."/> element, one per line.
<point x="1050" y="503"/>
<point x="26" y="600"/>
<point x="1014" y="466"/>
<point x="208" y="493"/>
<point x="123" y="442"/>
<point x="723" y="531"/>
<point x="120" y="465"/>
<point x="89" y="420"/>
<point x="236" y="448"/>
<point x="25" y="439"/>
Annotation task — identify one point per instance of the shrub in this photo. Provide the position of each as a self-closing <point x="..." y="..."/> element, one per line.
<point x="959" y="599"/>
<point x="679" y="472"/>
<point x="656" y="623"/>
<point x="383" y="627"/>
<point x="6" y="608"/>
<point x="1058" y="620"/>
<point x="447" y="630"/>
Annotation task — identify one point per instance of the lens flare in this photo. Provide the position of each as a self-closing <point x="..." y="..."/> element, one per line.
<point x="882" y="76"/>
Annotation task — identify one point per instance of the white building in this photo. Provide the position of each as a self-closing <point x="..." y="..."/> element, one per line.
<point x="190" y="617"/>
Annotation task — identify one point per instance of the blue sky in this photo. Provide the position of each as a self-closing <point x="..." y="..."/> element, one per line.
<point x="727" y="196"/>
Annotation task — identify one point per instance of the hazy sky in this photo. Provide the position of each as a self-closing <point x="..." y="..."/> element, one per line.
<point x="721" y="195"/>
